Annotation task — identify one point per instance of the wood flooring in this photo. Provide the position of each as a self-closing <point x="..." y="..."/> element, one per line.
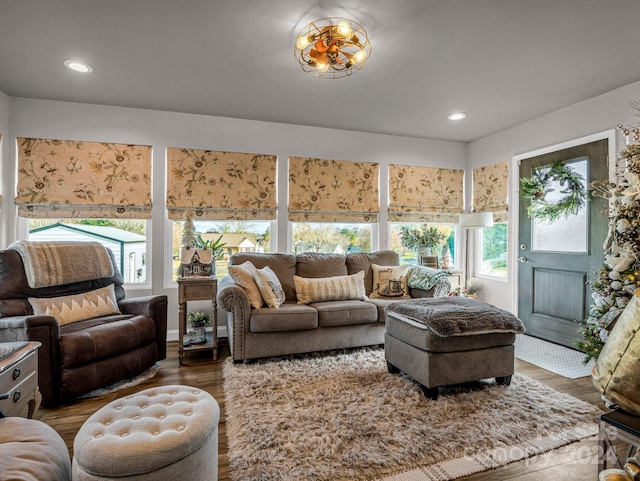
<point x="577" y="461"/>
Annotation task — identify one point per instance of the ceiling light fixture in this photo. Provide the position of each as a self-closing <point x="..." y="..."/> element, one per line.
<point x="78" y="66"/>
<point x="457" y="116"/>
<point x="332" y="47"/>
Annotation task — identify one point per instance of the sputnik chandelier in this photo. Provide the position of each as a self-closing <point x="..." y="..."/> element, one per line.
<point x="332" y="47"/>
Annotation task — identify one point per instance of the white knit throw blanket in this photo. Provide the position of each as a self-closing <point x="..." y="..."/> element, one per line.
<point x="64" y="262"/>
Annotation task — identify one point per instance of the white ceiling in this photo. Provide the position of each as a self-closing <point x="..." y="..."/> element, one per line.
<point x="502" y="61"/>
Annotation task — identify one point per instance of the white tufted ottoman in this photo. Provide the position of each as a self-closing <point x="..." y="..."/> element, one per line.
<point x="164" y="433"/>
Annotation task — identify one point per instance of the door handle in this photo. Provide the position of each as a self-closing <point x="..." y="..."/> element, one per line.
<point x="522" y="259"/>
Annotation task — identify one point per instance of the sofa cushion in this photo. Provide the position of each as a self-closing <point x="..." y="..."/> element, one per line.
<point x="290" y="317"/>
<point x="321" y="264"/>
<point x="106" y="340"/>
<point x="334" y="288"/>
<point x="390" y="282"/>
<point x="284" y="265"/>
<point x="243" y="275"/>
<point x="345" y="313"/>
<point x="361" y="261"/>
<point x="270" y="287"/>
<point x="77" y="307"/>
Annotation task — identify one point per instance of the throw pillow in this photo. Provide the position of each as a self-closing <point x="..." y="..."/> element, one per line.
<point x="77" y="307"/>
<point x="243" y="275"/>
<point x="390" y="282"/>
<point x="270" y="287"/>
<point x="336" y="288"/>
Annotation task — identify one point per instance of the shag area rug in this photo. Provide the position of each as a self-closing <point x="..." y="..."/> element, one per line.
<point x="342" y="416"/>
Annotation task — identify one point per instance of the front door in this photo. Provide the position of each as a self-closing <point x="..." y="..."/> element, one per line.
<point x="558" y="259"/>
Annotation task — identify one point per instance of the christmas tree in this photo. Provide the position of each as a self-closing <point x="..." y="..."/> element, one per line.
<point x="189" y="238"/>
<point x="615" y="283"/>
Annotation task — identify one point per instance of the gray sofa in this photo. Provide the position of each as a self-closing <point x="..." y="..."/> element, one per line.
<point x="298" y="328"/>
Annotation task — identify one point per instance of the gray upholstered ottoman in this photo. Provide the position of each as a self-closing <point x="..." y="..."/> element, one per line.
<point x="450" y="340"/>
<point x="167" y="433"/>
<point x="31" y="450"/>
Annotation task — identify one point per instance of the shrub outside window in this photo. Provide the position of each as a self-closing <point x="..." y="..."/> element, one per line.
<point x="494" y="251"/>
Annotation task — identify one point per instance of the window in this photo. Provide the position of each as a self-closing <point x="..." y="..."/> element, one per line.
<point x="331" y="237"/>
<point x="125" y="237"/>
<point x="494" y="250"/>
<point x="445" y="252"/>
<point x="237" y="236"/>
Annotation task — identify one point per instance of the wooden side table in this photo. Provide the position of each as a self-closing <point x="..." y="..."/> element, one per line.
<point x="197" y="289"/>
<point x="19" y="380"/>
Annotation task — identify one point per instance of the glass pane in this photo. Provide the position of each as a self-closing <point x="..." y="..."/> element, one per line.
<point x="329" y="237"/>
<point x="125" y="237"/>
<point x="445" y="249"/>
<point x="237" y="236"/>
<point x="494" y="251"/>
<point x="567" y="234"/>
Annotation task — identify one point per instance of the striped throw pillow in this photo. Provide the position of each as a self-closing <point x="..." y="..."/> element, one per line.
<point x="336" y="288"/>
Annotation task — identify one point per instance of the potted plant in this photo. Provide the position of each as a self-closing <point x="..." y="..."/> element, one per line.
<point x="208" y="250"/>
<point x="198" y="321"/>
<point x="424" y="240"/>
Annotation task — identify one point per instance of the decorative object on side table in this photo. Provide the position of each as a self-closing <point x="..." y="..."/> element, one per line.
<point x="197" y="256"/>
<point x="198" y="321"/>
<point x="425" y="241"/>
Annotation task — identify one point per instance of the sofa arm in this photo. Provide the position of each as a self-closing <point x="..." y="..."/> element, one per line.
<point x="233" y="299"/>
<point x="46" y="330"/>
<point x="442" y="288"/>
<point x="154" y="307"/>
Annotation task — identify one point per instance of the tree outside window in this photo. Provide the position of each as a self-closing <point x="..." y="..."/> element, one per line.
<point x="494" y="251"/>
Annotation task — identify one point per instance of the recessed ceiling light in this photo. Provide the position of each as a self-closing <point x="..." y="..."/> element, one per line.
<point x="78" y="66"/>
<point x="457" y="116"/>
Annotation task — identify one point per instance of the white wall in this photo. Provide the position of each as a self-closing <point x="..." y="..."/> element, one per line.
<point x="596" y="117"/>
<point x="4" y="155"/>
<point x="73" y="121"/>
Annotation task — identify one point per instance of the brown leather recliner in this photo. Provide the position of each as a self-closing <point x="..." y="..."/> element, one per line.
<point x="77" y="358"/>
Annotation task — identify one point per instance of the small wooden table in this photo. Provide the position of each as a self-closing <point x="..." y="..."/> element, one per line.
<point x="19" y="379"/>
<point x="197" y="289"/>
<point x="617" y="427"/>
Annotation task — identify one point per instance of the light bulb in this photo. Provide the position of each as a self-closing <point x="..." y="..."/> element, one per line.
<point x="302" y="42"/>
<point x="359" y="56"/>
<point x="323" y="67"/>
<point x="78" y="66"/>
<point x="344" y="29"/>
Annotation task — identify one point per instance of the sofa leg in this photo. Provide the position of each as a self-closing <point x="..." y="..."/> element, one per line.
<point x="503" y="380"/>
<point x="430" y="392"/>
<point x="392" y="369"/>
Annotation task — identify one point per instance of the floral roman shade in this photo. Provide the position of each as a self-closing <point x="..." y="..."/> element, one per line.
<point x="425" y="194"/>
<point x="490" y="190"/>
<point x="74" y="179"/>
<point x="333" y="190"/>
<point x="220" y="185"/>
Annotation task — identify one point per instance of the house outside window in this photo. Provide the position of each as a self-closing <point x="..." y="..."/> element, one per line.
<point x="125" y="237"/>
<point x="409" y="256"/>
<point x="237" y="236"/>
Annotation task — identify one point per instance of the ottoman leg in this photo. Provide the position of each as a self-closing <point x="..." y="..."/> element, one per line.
<point x="430" y="392"/>
<point x="392" y="369"/>
<point x="503" y="380"/>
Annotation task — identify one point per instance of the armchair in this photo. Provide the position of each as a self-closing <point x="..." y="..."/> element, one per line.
<point x="78" y="357"/>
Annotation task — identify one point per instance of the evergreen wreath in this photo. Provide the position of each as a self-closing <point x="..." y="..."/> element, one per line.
<point x="536" y="187"/>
